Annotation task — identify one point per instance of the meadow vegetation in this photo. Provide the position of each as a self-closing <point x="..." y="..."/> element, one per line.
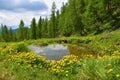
<point x="18" y="62"/>
<point x="91" y="27"/>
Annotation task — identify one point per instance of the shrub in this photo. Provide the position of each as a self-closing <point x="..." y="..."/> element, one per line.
<point x="21" y="47"/>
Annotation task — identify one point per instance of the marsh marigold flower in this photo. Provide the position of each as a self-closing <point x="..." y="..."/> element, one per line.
<point x="117" y="75"/>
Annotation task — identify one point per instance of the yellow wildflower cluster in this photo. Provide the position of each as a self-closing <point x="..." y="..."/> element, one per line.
<point x="29" y="58"/>
<point x="115" y="55"/>
<point x="59" y="67"/>
<point x="23" y="55"/>
<point x="8" y="49"/>
<point x="68" y="60"/>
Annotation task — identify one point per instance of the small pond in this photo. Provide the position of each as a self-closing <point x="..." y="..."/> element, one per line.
<point x="57" y="51"/>
<point x="53" y="51"/>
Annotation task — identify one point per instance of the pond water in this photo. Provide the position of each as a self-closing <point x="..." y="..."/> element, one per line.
<point x="52" y="52"/>
<point x="57" y="51"/>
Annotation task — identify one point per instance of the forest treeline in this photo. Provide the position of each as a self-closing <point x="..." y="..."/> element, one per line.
<point x="77" y="17"/>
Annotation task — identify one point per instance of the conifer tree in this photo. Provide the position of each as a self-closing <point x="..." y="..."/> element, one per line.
<point x="33" y="29"/>
<point x="45" y="28"/>
<point x="10" y="34"/>
<point x="39" y="28"/>
<point x="57" y="22"/>
<point x="26" y="33"/>
<point x="20" y="32"/>
<point x="5" y="33"/>
<point x="53" y="21"/>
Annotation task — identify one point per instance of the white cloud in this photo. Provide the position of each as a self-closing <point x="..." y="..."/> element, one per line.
<point x="17" y="2"/>
<point x="58" y="3"/>
<point x="13" y="18"/>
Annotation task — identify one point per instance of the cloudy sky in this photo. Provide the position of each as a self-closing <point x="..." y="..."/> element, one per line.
<point x="12" y="11"/>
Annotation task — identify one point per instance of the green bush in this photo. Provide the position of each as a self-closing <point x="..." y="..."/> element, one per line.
<point x="21" y="47"/>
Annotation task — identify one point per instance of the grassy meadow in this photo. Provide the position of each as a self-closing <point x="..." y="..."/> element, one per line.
<point x="18" y="62"/>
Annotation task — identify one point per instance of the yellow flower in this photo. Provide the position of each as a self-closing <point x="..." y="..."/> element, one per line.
<point x="70" y="62"/>
<point x="110" y="70"/>
<point x="58" y="67"/>
<point x="66" y="74"/>
<point x="109" y="64"/>
<point x="66" y="71"/>
<point x="117" y="75"/>
<point x="58" y="71"/>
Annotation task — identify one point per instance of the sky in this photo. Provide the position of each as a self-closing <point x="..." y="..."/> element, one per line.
<point x="12" y="11"/>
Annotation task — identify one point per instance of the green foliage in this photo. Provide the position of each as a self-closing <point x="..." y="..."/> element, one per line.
<point x="5" y="33"/>
<point x="20" y="33"/>
<point x="83" y="17"/>
<point x="16" y="59"/>
<point x="11" y="35"/>
<point x="33" y="29"/>
<point x="14" y="64"/>
<point x="45" y="28"/>
<point x="52" y="27"/>
<point x="21" y="47"/>
<point x="76" y="18"/>
<point x="39" y="28"/>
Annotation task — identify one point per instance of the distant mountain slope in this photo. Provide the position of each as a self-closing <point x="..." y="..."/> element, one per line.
<point x="14" y="30"/>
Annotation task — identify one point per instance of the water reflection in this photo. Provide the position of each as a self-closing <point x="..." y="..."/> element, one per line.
<point x="57" y="51"/>
<point x="53" y="51"/>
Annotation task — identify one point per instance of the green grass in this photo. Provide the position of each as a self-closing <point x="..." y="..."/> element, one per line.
<point x="15" y="64"/>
